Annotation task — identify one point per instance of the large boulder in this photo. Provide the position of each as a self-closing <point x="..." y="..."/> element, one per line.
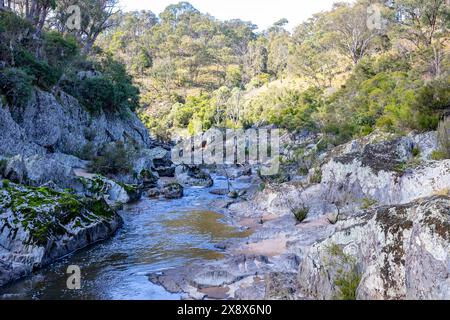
<point x="392" y="252"/>
<point x="40" y="225"/>
<point x="173" y="191"/>
<point x="114" y="193"/>
<point x="190" y="176"/>
<point x="41" y="169"/>
<point x="357" y="181"/>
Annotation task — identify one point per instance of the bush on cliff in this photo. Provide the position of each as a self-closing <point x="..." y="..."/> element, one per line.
<point x="16" y="86"/>
<point x="110" y="90"/>
<point x="115" y="158"/>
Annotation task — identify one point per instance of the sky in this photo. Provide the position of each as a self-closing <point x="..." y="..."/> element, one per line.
<point x="261" y="12"/>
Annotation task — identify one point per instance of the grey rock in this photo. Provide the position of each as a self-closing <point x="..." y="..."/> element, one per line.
<point x="61" y="223"/>
<point x="173" y="191"/>
<point x="153" y="193"/>
<point x="214" y="279"/>
<point x="399" y="252"/>
<point x="60" y="124"/>
<point x="426" y="143"/>
<point x="190" y="176"/>
<point x="40" y="169"/>
<point x="280" y="286"/>
<point x="13" y="138"/>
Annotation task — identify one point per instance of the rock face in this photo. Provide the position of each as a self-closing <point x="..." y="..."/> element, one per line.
<point x="40" y="169"/>
<point x="385" y="173"/>
<point x="59" y="124"/>
<point x="362" y="173"/>
<point x="39" y="225"/>
<point x="41" y="146"/>
<point x="44" y="141"/>
<point x="393" y="252"/>
<point x="377" y="227"/>
<point x="13" y="138"/>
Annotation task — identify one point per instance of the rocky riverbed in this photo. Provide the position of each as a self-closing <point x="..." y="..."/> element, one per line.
<point x="378" y="227"/>
<point x="369" y="219"/>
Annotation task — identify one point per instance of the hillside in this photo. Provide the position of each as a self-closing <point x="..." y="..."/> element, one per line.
<point x="336" y="74"/>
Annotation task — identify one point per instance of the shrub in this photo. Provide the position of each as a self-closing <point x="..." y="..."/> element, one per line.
<point x="6" y="184"/>
<point x="13" y="30"/>
<point x="300" y="213"/>
<point x="114" y="159"/>
<point x="316" y="177"/>
<point x="44" y="75"/>
<point x="438" y="155"/>
<point x="368" y="203"/>
<point x="96" y="94"/>
<point x="442" y="192"/>
<point x="416" y="152"/>
<point x="59" y="50"/>
<point x="112" y="90"/>
<point x="348" y="277"/>
<point x="348" y="283"/>
<point x="88" y="152"/>
<point x="16" y="86"/>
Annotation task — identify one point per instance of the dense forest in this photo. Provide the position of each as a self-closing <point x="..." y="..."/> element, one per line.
<point x="344" y="72"/>
<point x="336" y="73"/>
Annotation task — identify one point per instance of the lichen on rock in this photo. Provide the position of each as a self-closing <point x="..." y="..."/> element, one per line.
<point x="39" y="224"/>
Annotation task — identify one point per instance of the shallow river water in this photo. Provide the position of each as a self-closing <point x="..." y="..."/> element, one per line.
<point x="157" y="235"/>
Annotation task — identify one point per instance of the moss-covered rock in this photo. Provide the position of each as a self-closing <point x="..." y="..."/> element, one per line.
<point x="115" y="193"/>
<point x="39" y="224"/>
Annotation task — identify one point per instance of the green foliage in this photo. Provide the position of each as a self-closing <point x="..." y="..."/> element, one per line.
<point x="59" y="49"/>
<point x="114" y="159"/>
<point x="317" y="176"/>
<point x="348" y="283"/>
<point x="44" y="75"/>
<point x="288" y="109"/>
<point x="438" y="155"/>
<point x="261" y="187"/>
<point x="16" y="86"/>
<point x="347" y="277"/>
<point x="383" y="93"/>
<point x="12" y="30"/>
<point x="300" y="213"/>
<point x="96" y="94"/>
<point x="368" y="203"/>
<point x="111" y="90"/>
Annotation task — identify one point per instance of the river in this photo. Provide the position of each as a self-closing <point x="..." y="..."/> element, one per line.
<point x="157" y="235"/>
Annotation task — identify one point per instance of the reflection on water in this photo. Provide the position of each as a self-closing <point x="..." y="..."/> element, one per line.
<point x="205" y="223"/>
<point x="157" y="235"/>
